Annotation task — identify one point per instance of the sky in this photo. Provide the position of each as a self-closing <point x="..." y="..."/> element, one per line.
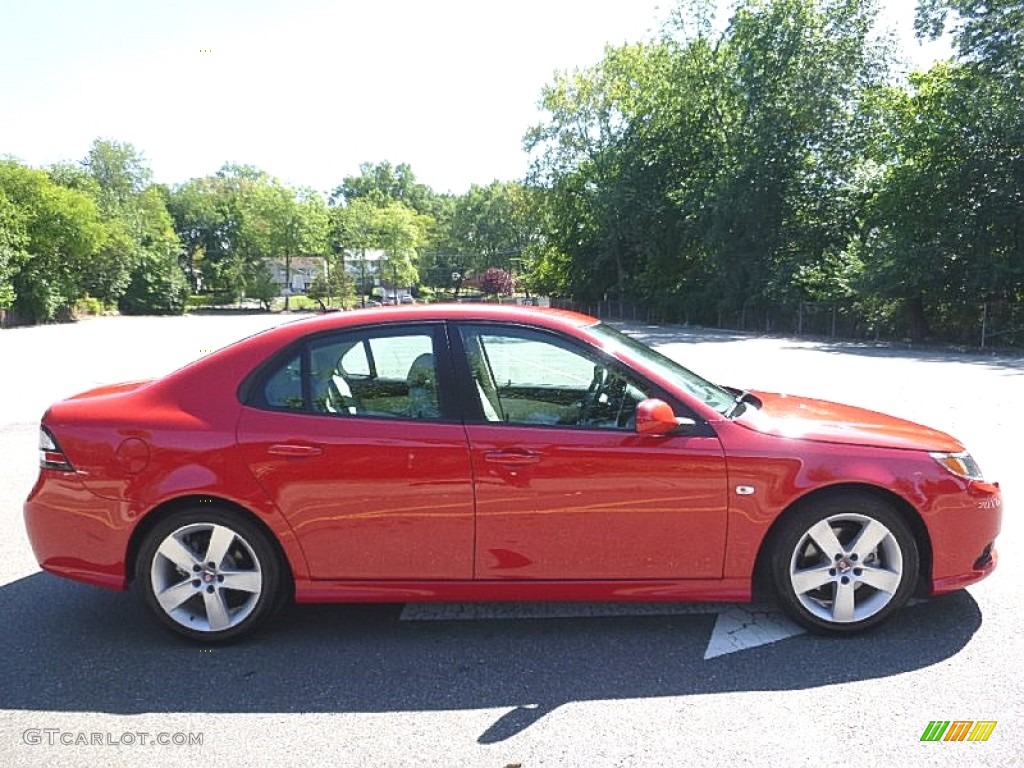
<point x="309" y="89"/>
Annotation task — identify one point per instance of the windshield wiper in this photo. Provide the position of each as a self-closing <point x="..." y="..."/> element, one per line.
<point x="742" y="398"/>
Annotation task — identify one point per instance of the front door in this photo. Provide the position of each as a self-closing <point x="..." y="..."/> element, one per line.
<point x="565" y="487"/>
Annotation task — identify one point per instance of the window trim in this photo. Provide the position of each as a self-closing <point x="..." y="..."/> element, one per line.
<point x="473" y="412"/>
<point x="250" y="392"/>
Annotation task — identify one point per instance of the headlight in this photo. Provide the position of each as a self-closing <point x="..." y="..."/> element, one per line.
<point x="960" y="464"/>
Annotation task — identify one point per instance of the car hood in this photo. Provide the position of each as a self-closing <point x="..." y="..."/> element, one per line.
<point x="820" y="420"/>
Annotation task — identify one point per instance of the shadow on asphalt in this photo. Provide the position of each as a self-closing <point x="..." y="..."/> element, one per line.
<point x="674" y="334"/>
<point x="74" y="648"/>
<point x="655" y="335"/>
<point x="922" y="354"/>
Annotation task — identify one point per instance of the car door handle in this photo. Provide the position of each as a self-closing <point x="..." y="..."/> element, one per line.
<point x="512" y="458"/>
<point x="295" y="449"/>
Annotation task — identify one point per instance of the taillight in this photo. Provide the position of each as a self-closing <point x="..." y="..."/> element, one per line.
<point x="50" y="454"/>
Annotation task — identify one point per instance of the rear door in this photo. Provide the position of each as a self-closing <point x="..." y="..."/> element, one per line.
<point x="349" y="433"/>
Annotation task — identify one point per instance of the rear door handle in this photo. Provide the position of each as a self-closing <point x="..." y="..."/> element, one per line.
<point x="512" y="458"/>
<point x="295" y="449"/>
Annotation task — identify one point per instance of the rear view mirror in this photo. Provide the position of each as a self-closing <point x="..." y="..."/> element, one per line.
<point x="655" y="417"/>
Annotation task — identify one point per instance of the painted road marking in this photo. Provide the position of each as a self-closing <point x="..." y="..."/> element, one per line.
<point x="738" y="627"/>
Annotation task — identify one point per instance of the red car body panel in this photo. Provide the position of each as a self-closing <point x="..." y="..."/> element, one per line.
<point x="398" y="510"/>
<point x="406" y="485"/>
<point x="610" y="505"/>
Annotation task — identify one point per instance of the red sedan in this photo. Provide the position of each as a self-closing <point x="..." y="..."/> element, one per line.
<point x="490" y="453"/>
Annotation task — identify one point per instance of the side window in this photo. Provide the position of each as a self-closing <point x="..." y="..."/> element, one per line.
<point x="523" y="377"/>
<point x="283" y="389"/>
<point x="389" y="373"/>
<point x="356" y="361"/>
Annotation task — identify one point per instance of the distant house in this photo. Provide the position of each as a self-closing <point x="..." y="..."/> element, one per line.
<point x="393" y="296"/>
<point x="365" y="269"/>
<point x="368" y="269"/>
<point x="304" y="270"/>
<point x="366" y="264"/>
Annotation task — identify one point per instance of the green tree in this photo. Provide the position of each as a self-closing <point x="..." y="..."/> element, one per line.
<point x="203" y="225"/>
<point x="702" y="172"/>
<point x="987" y="32"/>
<point x="383" y="183"/>
<point x="140" y="235"/>
<point x="234" y="224"/>
<point x="120" y="172"/>
<point x="945" y="221"/>
<point x="281" y="223"/>
<point x="353" y="233"/>
<point x="493" y="225"/>
<point x="57" y="232"/>
<point x="399" y="232"/>
<point x="13" y="238"/>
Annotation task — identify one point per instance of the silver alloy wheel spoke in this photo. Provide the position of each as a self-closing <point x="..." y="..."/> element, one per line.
<point x="870" y="537"/>
<point x="216" y="610"/>
<point x="243" y="581"/>
<point x="880" y="578"/>
<point x="221" y="539"/>
<point x="174" y="596"/>
<point x="175" y="551"/>
<point x="845" y="604"/>
<point x="811" y="578"/>
<point x="825" y="538"/>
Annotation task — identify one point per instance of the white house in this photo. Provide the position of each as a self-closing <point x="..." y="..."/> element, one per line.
<point x="304" y="270"/>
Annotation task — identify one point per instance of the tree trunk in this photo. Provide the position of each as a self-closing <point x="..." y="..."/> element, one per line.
<point x="917" y="323"/>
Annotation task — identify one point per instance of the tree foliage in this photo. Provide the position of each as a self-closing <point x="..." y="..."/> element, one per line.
<point x="723" y="177"/>
<point x="232" y="224"/>
<point x="99" y="229"/>
<point x="55" y="231"/>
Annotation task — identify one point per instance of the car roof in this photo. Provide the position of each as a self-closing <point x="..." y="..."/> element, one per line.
<point x="235" y="360"/>
<point x="550" y="318"/>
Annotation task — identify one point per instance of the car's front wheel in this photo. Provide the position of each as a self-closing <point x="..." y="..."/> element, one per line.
<point x="209" y="574"/>
<point x="843" y="563"/>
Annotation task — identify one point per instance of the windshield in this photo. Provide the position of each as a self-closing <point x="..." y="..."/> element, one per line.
<point x="722" y="400"/>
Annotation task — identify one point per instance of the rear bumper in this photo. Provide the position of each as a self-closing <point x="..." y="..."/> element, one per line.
<point x="75" y="533"/>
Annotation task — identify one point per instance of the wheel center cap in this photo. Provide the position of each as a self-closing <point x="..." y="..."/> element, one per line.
<point x="208" y="575"/>
<point x="844" y="565"/>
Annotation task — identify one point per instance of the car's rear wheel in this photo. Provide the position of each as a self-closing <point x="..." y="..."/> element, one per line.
<point x="843" y="563"/>
<point x="209" y="574"/>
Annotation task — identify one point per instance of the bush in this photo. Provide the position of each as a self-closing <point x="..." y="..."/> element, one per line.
<point x="157" y="287"/>
<point x="496" y="280"/>
<point x="199" y="301"/>
<point x="263" y="288"/>
<point x="87" y="305"/>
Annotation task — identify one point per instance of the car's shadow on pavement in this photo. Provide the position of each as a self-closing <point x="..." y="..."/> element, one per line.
<point x="68" y="647"/>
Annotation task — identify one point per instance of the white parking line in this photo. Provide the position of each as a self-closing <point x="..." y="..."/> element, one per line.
<point x="738" y="627"/>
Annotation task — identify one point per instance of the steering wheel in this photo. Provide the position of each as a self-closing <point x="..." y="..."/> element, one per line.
<point x="592" y="400"/>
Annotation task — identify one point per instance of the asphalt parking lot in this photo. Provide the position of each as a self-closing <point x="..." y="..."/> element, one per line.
<point x="498" y="686"/>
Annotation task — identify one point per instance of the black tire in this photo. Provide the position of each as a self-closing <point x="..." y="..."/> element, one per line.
<point x="828" y="579"/>
<point x="213" y="600"/>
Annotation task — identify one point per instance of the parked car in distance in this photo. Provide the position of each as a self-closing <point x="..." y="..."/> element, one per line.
<point x="482" y="452"/>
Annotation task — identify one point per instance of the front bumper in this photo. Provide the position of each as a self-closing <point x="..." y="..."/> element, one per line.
<point x="963" y="532"/>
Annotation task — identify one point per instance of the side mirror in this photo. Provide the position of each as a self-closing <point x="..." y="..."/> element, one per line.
<point x="655" y="417"/>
